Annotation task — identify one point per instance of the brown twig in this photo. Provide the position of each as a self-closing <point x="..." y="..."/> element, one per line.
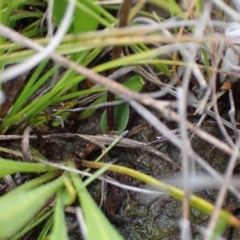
<point x="124" y="11"/>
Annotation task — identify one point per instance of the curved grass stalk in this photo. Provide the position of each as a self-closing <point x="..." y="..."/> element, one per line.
<point x="174" y="192"/>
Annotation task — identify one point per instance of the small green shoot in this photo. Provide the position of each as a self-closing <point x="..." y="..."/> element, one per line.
<point x="121" y="112"/>
<point x="46" y="229"/>
<point x="121" y="117"/>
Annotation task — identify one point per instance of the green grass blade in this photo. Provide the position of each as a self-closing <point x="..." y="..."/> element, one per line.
<point x="88" y="112"/>
<point x="26" y="15"/>
<point x="28" y="89"/>
<point x="77" y="94"/>
<point x="46" y="229"/>
<point x="97" y="224"/>
<point x="174" y="192"/>
<point x="59" y="225"/>
<point x="141" y="48"/>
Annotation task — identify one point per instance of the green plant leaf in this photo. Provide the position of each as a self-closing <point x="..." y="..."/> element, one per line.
<point x="17" y="209"/>
<point x="97" y="224"/>
<point x="121" y="112"/>
<point x="59" y="225"/>
<point x="121" y="116"/>
<point x="59" y="9"/>
<point x="83" y="19"/>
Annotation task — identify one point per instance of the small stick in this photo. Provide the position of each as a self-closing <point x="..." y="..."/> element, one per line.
<point x="124" y="11"/>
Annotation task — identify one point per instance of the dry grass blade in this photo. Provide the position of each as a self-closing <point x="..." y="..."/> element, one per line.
<point x="100" y="141"/>
<point x="25" y="145"/>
